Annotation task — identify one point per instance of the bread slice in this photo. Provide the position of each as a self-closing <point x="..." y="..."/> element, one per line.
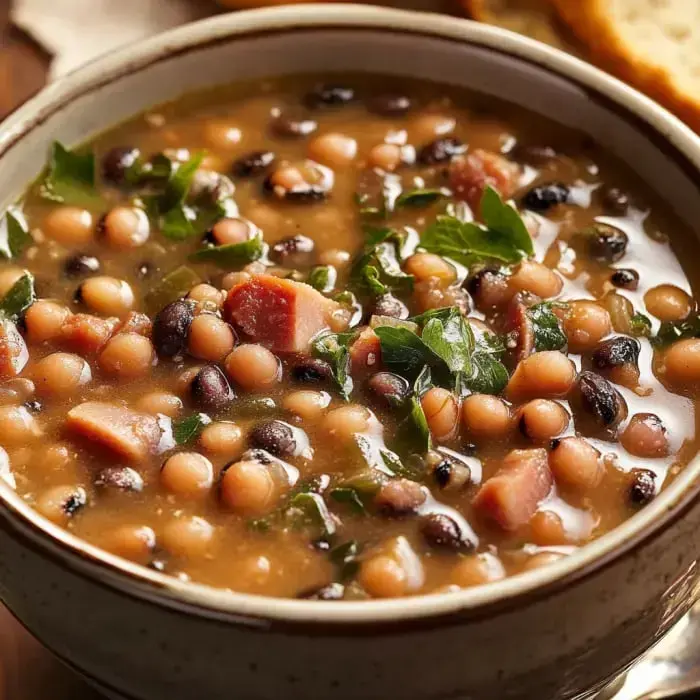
<point x="535" y="18"/>
<point x="652" y="44"/>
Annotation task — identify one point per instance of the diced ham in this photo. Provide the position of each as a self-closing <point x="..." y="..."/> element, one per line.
<point x="130" y="435"/>
<point x="13" y="351"/>
<point x="510" y="498"/>
<point x="280" y="314"/>
<point x="135" y="322"/>
<point x="471" y="173"/>
<point x="86" y="334"/>
<point x="365" y="352"/>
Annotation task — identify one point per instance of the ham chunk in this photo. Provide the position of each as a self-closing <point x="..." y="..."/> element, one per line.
<point x="128" y="434"/>
<point x="13" y="351"/>
<point x="471" y="173"/>
<point x="365" y="352"/>
<point x="280" y="314"/>
<point x="510" y="498"/>
<point x="86" y="334"/>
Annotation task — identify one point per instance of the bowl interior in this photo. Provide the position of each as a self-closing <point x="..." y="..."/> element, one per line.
<point x="305" y="40"/>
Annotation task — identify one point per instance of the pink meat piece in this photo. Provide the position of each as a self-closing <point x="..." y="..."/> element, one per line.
<point x="365" y="353"/>
<point x="13" y="351"/>
<point x="511" y="496"/>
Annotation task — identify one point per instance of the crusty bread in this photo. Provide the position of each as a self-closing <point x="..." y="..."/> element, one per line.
<point x="652" y="44"/>
<point x="534" y="18"/>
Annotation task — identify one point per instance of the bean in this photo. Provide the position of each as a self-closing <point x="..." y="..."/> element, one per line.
<point x="125" y="227"/>
<point x="295" y="251"/>
<point x="616" y="352"/>
<point x="133" y="542"/>
<point x="118" y="162"/>
<point x="120" y="479"/>
<point x="542" y="419"/>
<point x="391" y="390"/>
<point x="489" y="289"/>
<point x="615" y="202"/>
<point x="222" y="438"/>
<point x="127" y="356"/>
<point x="211" y="390"/>
<point x="386" y="156"/>
<point x="547" y="374"/>
<point x="107" y="295"/>
<point x="206" y="297"/>
<point x="221" y="135"/>
<point x="625" y="279"/>
<point x="441" y="150"/>
<point x="17" y="426"/>
<point x="187" y="474"/>
<point x="171" y="327"/>
<point x="681" y="362"/>
<point x="308" y="405"/>
<point x="486" y="417"/>
<point x="426" y="265"/>
<point x="310" y="370"/>
<point x="325" y="95"/>
<point x="230" y="230"/>
<point x="597" y="398"/>
<point x="426" y="127"/>
<point x="642" y="488"/>
<point x="60" y="503"/>
<point x="44" y="320"/>
<point x="81" y="265"/>
<point x="383" y="577"/>
<point x="645" y="436"/>
<point x="606" y="244"/>
<point x="586" y="325"/>
<point x="389" y="305"/>
<point x="70" y="226"/>
<point x="333" y="149"/>
<point x="477" y="569"/>
<point x="209" y="188"/>
<point x="448" y="473"/>
<point x="544" y="197"/>
<point x="547" y="529"/>
<point x="248" y="487"/>
<point x="188" y="536"/>
<point x="668" y="303"/>
<point x="288" y="126"/>
<point x="400" y="497"/>
<point x="389" y="104"/>
<point x="253" y="367"/>
<point x="60" y="375"/>
<point x="210" y="338"/>
<point x="576" y="463"/>
<point x="440" y="531"/>
<point x="345" y="422"/>
<point x="276" y="437"/>
<point x="531" y="276"/>
<point x="252" y="164"/>
<point x="442" y="413"/>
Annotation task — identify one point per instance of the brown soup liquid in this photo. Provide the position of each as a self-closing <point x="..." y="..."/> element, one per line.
<point x="344" y="338"/>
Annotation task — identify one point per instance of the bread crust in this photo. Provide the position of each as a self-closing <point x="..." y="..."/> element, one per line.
<point x="589" y="20"/>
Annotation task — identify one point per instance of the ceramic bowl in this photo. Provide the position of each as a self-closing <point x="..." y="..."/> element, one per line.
<point x="559" y="632"/>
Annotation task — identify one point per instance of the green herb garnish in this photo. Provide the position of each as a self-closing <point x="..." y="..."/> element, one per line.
<point x="346" y="558"/>
<point x="503" y="236"/>
<point x="548" y="331"/>
<point x="421" y="197"/>
<point x="189" y="428"/>
<point x="378" y="266"/>
<point x="322" y="278"/>
<point x="349" y="496"/>
<point x="415" y="428"/>
<point x="14" y="234"/>
<point x="310" y="509"/>
<point x="334" y="349"/>
<point x="232" y="255"/>
<point x="671" y="331"/>
<point x="71" y="177"/>
<point x="171" y="287"/>
<point x="489" y="374"/>
<point x="20" y="297"/>
<point x="640" y="325"/>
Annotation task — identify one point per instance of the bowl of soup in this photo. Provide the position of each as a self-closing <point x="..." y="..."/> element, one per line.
<point x="338" y="342"/>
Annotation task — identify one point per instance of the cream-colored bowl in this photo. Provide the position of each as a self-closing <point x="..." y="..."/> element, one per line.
<point x="559" y="632"/>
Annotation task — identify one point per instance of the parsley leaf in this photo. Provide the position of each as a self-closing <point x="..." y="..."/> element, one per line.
<point x="671" y="331"/>
<point x="14" y="234"/>
<point x="333" y="348"/>
<point x="640" y="325"/>
<point x="70" y="177"/>
<point x="549" y="334"/>
<point x="20" y="297"/>
<point x="415" y="428"/>
<point x="421" y="197"/>
<point x="189" y="428"/>
<point x="171" y="287"/>
<point x="381" y="252"/>
<point x="504" y="236"/>
<point x="310" y="509"/>
<point x="322" y="278"/>
<point x="451" y="339"/>
<point x="489" y="375"/>
<point x="232" y="255"/>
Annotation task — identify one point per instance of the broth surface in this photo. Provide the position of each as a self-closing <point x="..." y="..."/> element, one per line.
<point x="186" y="410"/>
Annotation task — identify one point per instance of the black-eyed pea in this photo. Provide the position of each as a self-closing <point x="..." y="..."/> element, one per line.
<point x="248" y="487"/>
<point x="44" y="320"/>
<point x="536" y="278"/>
<point x="547" y="529"/>
<point x="253" y="367"/>
<point x="383" y="577"/>
<point x="187" y="474"/>
<point x="668" y="303"/>
<point x="308" y="405"/>
<point x="107" y="295"/>
<point x="221" y="135"/>
<point x="486" y="417"/>
<point x="476" y="569"/>
<point x="125" y="227"/>
<point x="576" y="464"/>
<point x="333" y="149"/>
<point x="231" y="230"/>
<point x="60" y="503"/>
<point x="423" y="266"/>
<point x="347" y="421"/>
<point x="207" y="296"/>
<point x="18" y="426"/>
<point x="645" y="436"/>
<point x="127" y="356"/>
<point x="540" y="420"/>
<point x="133" y="542"/>
<point x="160" y="402"/>
<point x="442" y="413"/>
<point x="232" y="279"/>
<point x="70" y="226"/>
<point x="385" y="156"/>
<point x="426" y="127"/>
<point x="546" y="374"/>
<point x="60" y="375"/>
<point x="188" y="536"/>
<point x="681" y="363"/>
<point x="210" y="338"/>
<point x="586" y="324"/>
<point x="222" y="438"/>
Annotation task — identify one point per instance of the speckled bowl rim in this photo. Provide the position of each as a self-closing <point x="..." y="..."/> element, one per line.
<point x="103" y="568"/>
